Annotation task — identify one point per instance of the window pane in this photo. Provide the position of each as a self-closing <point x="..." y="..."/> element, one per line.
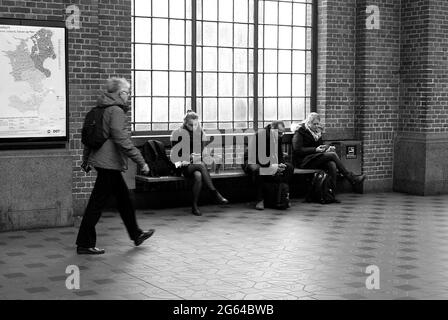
<point x="209" y="34"/>
<point x="284" y="41"/>
<point x="260" y="36"/>
<point x="225" y="84"/>
<point x="270" y="37"/>
<point x="177" y="84"/>
<point x="160" y="57"/>
<point x="270" y="12"/>
<point x="299" y="14"/>
<point x="285" y="14"/>
<point x="308" y="85"/>
<point x="240" y="11"/>
<point x="160" y="83"/>
<point x="298" y="38"/>
<point x="284" y="85"/>
<point x="177" y="35"/>
<point x="160" y="8"/>
<point x="210" y="11"/>
<point x="225" y="34"/>
<point x="142" y="56"/>
<point x="188" y="58"/>
<point x="240" y="109"/>
<point x="309" y="15"/>
<point x="309" y="61"/>
<point x="260" y="60"/>
<point x="160" y="110"/>
<point x="209" y="56"/>
<point x="251" y="85"/>
<point x="298" y="85"/>
<point x="270" y="85"/>
<point x="309" y="38"/>
<point x="187" y="9"/>
<point x="225" y="109"/>
<point x="240" y="35"/>
<point x="225" y="60"/>
<point x="240" y="60"/>
<point x="188" y="33"/>
<point x="142" y="30"/>
<point x="176" y="109"/>
<point x="299" y="61"/>
<point x="209" y="109"/>
<point x="284" y="108"/>
<point x="260" y="85"/>
<point x="210" y="84"/>
<point x="199" y="84"/>
<point x="177" y="58"/>
<point x="270" y="60"/>
<point x="142" y="109"/>
<point x="298" y="108"/>
<point x="240" y="85"/>
<point x="142" y="8"/>
<point x="160" y="34"/>
<point x="143" y="83"/>
<point x="177" y="8"/>
<point x="284" y="61"/>
<point x="251" y="60"/>
<point x="251" y="36"/>
<point x="188" y="86"/>
<point x="270" y="109"/>
<point x="225" y="10"/>
<point x="251" y="11"/>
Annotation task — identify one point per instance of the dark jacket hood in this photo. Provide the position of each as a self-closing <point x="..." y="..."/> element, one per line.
<point x="107" y="99"/>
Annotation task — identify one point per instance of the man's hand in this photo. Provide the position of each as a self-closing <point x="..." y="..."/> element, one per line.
<point x="321" y="148"/>
<point x="281" y="167"/>
<point x="86" y="167"/>
<point x="331" y="149"/>
<point x="184" y="163"/>
<point x="145" y="169"/>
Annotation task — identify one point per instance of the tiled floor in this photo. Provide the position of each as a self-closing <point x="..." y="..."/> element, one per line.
<point x="235" y="252"/>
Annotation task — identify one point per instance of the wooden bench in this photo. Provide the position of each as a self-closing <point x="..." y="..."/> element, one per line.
<point x="225" y="173"/>
<point x="231" y="173"/>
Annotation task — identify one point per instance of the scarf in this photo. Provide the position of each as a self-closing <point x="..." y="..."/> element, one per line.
<point x="316" y="135"/>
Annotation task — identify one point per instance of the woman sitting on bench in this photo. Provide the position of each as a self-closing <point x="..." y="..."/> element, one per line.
<point x="309" y="151"/>
<point x="191" y="164"/>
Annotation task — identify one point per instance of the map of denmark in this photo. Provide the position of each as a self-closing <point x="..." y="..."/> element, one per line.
<point x="34" y="81"/>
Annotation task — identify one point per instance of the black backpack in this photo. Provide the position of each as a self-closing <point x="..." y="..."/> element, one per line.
<point x="92" y="134"/>
<point x="155" y="156"/>
<point x="321" y="189"/>
<point x="276" y="194"/>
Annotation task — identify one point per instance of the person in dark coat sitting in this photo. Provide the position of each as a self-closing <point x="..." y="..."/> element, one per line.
<point x="191" y="164"/>
<point x="261" y="171"/>
<point x="309" y="151"/>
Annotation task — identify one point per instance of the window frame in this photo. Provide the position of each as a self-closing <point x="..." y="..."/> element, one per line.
<point x="255" y="119"/>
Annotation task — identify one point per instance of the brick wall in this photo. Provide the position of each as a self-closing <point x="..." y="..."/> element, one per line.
<point x="336" y="101"/>
<point x="378" y="89"/>
<point x="99" y="49"/>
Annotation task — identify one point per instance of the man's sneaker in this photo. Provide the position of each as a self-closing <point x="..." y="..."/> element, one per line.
<point x="143" y="236"/>
<point x="260" y="205"/>
<point x="92" y="250"/>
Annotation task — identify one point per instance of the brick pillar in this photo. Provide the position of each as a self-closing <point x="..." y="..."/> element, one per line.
<point x="421" y="153"/>
<point x="377" y="90"/>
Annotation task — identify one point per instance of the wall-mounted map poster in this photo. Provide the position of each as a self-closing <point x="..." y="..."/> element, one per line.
<point x="33" y="82"/>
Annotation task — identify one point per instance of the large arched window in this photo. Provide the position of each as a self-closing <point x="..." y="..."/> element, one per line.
<point x="238" y="63"/>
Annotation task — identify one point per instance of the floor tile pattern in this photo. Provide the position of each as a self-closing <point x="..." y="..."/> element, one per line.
<point x="310" y="251"/>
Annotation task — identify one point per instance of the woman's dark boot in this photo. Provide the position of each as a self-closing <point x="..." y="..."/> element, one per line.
<point x="354" y="179"/>
<point x="195" y="210"/>
<point x="219" y="198"/>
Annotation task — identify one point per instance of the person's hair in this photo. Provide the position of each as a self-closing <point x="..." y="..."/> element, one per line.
<point x="116" y="84"/>
<point x="311" y="117"/>
<point x="276" y="123"/>
<point x="190" y="115"/>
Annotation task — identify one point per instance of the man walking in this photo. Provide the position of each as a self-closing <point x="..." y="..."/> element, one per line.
<point x="110" y="160"/>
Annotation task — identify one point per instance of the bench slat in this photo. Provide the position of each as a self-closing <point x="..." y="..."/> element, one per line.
<point x="221" y="175"/>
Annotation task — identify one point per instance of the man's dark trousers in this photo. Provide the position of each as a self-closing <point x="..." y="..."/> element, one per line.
<point x="108" y="183"/>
